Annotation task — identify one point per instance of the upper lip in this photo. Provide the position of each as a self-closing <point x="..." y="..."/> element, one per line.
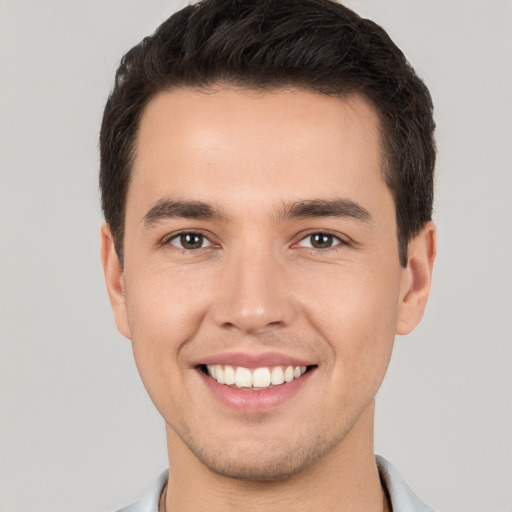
<point x="248" y="360"/>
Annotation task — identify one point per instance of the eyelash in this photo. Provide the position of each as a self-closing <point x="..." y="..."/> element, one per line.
<point x="339" y="242"/>
<point x="177" y="236"/>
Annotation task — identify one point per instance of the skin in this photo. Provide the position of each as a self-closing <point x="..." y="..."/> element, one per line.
<point x="257" y="285"/>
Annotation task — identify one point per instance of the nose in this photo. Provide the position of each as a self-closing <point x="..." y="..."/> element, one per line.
<point x="254" y="293"/>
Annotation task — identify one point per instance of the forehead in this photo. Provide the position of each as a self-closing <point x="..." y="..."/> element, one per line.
<point x="241" y="145"/>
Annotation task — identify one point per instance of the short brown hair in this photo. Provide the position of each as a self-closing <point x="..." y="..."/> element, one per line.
<point x="317" y="45"/>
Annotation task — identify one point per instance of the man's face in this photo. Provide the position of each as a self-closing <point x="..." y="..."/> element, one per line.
<point x="260" y="235"/>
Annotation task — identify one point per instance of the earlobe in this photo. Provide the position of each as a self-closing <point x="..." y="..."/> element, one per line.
<point x="114" y="279"/>
<point x="417" y="278"/>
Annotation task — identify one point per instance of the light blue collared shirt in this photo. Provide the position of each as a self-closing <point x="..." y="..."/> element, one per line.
<point x="401" y="496"/>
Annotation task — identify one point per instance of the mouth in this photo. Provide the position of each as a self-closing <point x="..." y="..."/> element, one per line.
<point x="255" y="379"/>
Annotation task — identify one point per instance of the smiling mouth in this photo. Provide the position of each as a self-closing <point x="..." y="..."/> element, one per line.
<point x="264" y="377"/>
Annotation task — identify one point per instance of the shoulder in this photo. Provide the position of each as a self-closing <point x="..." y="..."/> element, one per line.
<point x="149" y="502"/>
<point x="402" y="497"/>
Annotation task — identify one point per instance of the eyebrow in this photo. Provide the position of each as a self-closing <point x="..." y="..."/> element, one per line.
<point x="169" y="208"/>
<point x="326" y="208"/>
<point x="200" y="210"/>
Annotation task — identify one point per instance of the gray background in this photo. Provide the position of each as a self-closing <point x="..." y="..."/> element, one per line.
<point x="77" y="432"/>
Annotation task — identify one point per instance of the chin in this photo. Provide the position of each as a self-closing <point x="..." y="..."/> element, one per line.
<point x="267" y="462"/>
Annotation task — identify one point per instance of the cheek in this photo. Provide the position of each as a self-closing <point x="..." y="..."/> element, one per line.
<point x="356" y="312"/>
<point x="360" y="296"/>
<point x="164" y="305"/>
<point x="163" y="315"/>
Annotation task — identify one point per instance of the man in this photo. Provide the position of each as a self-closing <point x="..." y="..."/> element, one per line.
<point x="267" y="177"/>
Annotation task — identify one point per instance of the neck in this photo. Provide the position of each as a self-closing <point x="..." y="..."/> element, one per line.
<point x="346" y="479"/>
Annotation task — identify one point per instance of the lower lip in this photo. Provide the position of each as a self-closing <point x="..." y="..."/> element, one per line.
<point x="248" y="400"/>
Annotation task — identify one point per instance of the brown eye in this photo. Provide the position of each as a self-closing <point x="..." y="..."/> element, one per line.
<point x="320" y="241"/>
<point x="190" y="241"/>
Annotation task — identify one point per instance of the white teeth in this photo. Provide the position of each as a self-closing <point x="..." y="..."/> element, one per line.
<point x="277" y="376"/>
<point x="243" y="377"/>
<point x="229" y="375"/>
<point x="289" y="374"/>
<point x="261" y="378"/>
<point x="258" y="378"/>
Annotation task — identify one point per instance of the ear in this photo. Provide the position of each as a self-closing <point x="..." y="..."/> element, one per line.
<point x="416" y="279"/>
<point x="114" y="279"/>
